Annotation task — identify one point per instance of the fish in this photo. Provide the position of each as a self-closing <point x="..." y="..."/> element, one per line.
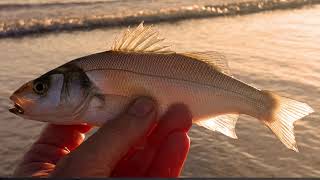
<point x="96" y="88"/>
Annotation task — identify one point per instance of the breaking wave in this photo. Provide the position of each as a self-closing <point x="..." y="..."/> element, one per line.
<point x="16" y="6"/>
<point x="24" y="26"/>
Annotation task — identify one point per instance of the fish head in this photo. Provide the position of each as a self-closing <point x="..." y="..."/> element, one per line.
<point x="58" y="96"/>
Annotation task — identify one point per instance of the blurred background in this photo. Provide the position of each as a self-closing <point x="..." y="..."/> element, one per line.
<point x="271" y="44"/>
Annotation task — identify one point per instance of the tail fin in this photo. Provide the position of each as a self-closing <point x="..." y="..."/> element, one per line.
<point x="284" y="113"/>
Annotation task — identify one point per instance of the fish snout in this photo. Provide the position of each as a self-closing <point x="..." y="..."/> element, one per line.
<point x="17" y="108"/>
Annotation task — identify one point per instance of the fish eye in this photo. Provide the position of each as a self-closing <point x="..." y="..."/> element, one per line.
<point x="40" y="88"/>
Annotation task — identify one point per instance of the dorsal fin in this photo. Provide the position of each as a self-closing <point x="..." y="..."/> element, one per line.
<point x="215" y="59"/>
<point x="142" y="39"/>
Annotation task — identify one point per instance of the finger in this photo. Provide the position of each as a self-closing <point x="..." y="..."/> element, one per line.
<point x="56" y="141"/>
<point x="99" y="154"/>
<point x="177" y="118"/>
<point x="135" y="165"/>
<point x="53" y="143"/>
<point x="64" y="136"/>
<point x="35" y="169"/>
<point x="171" y="156"/>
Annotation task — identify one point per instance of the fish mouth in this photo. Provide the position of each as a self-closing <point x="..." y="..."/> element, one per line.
<point x="17" y="109"/>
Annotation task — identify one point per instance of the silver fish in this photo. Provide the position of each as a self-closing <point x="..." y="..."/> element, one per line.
<point x="96" y="88"/>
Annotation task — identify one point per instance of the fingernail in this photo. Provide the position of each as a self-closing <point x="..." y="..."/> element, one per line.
<point x="142" y="107"/>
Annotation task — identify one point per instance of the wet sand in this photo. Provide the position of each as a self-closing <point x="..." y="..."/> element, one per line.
<point x="276" y="50"/>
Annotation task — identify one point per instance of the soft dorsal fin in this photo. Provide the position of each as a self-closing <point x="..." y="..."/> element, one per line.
<point x="224" y="123"/>
<point x="142" y="39"/>
<point x="215" y="59"/>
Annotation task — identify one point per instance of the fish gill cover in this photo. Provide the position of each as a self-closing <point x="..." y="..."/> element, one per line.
<point x="19" y="19"/>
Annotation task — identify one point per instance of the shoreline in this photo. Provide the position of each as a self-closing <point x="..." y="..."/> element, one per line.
<point x="68" y="24"/>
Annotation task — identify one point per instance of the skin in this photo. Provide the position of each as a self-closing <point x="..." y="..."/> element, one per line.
<point x="135" y="144"/>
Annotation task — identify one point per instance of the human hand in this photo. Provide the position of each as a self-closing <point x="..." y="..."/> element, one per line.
<point x="136" y="144"/>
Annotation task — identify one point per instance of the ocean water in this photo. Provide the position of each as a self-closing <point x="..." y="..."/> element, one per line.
<point x="20" y="17"/>
<point x="275" y="50"/>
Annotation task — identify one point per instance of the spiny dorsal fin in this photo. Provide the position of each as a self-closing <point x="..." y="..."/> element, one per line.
<point x="215" y="59"/>
<point x="143" y="39"/>
<point x="224" y="123"/>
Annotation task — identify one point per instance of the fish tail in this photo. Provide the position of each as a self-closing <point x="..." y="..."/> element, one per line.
<point x="281" y="116"/>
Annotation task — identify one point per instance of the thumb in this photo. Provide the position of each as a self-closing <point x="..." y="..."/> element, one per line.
<point x="100" y="153"/>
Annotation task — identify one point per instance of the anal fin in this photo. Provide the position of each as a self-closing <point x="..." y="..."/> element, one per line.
<point x="224" y="124"/>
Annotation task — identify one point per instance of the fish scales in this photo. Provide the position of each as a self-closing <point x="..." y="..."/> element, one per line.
<point x="170" y="66"/>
